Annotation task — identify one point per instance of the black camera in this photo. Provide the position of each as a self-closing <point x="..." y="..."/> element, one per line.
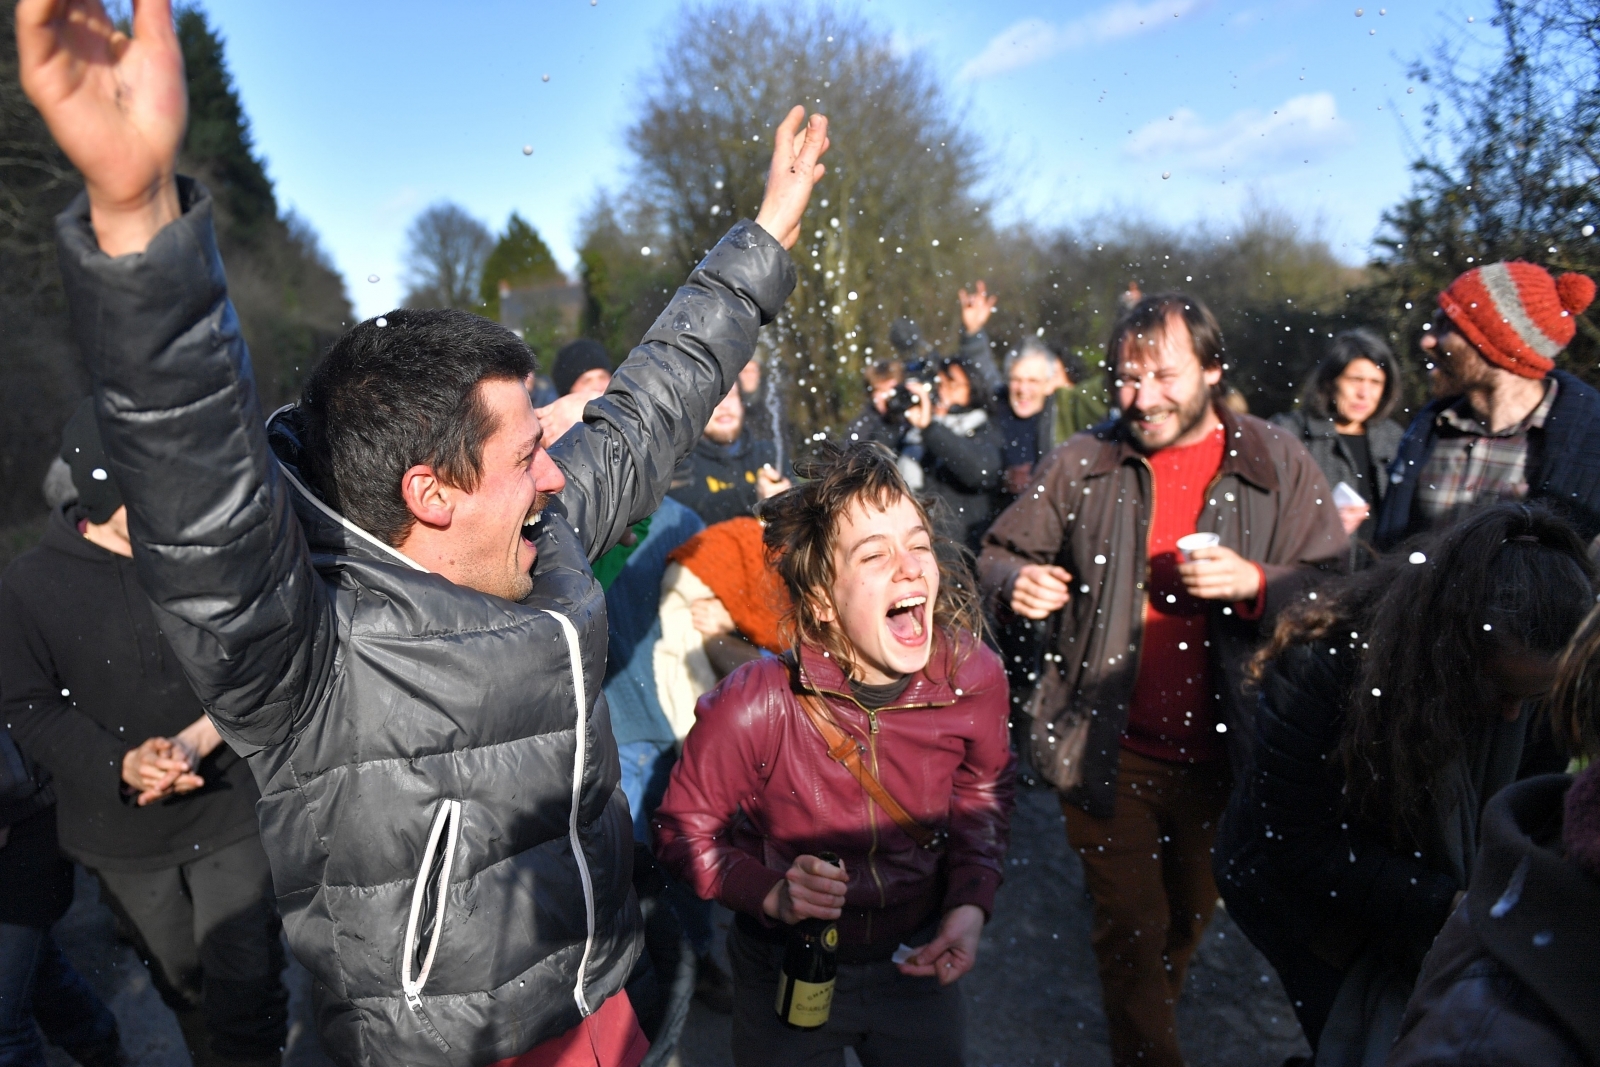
<point x="903" y="399"/>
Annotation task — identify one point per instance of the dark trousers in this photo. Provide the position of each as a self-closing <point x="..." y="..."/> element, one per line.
<point x="1148" y="868"/>
<point x="1311" y="982"/>
<point x="889" y="1019"/>
<point x="37" y="984"/>
<point x="209" y="931"/>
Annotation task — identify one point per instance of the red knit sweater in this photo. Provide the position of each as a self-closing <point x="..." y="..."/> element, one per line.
<point x="1173" y="716"/>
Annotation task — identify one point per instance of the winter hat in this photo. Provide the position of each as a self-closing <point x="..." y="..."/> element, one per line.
<point x="1580" y="826"/>
<point x="904" y="335"/>
<point x="91" y="473"/>
<point x="1516" y="314"/>
<point x="574" y="360"/>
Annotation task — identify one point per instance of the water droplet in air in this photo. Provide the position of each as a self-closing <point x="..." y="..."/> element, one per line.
<point x="372" y="278"/>
<point x="1552" y="250"/>
<point x="381" y="322"/>
<point x="1359" y="12"/>
<point x="594" y="3"/>
<point x="645" y="251"/>
<point x="99" y="474"/>
<point x="1165" y="175"/>
<point x="1100" y="561"/>
<point x="1487" y="626"/>
<point x="1471" y="19"/>
<point x="1372" y="33"/>
<point x="1411" y="88"/>
<point x="527" y="149"/>
<point x="544" y="77"/>
<point x="716" y="209"/>
<point x="852" y="294"/>
<point x="1417" y="557"/>
<point x="936" y="242"/>
<point x="1588" y="230"/>
<point x="1377" y="692"/>
<point x="1543" y="938"/>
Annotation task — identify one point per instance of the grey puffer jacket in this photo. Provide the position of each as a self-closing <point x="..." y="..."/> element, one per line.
<point x="450" y="850"/>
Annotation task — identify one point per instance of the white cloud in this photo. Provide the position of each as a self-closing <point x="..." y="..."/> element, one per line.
<point x="1033" y="40"/>
<point x="1299" y="127"/>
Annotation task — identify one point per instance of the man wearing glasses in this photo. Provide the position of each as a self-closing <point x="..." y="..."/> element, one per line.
<point x="1506" y="424"/>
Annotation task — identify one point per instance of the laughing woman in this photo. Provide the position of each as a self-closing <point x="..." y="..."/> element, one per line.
<point x="912" y="794"/>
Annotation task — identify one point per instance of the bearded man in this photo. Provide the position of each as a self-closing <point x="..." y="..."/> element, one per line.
<point x="1136" y="714"/>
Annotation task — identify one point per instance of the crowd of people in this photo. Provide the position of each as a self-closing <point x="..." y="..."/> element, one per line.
<point x="437" y="674"/>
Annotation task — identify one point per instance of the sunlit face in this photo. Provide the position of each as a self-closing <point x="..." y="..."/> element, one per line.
<point x="1509" y="680"/>
<point x="886" y="581"/>
<point x="488" y="548"/>
<point x="1031" y="380"/>
<point x="1358" y="391"/>
<point x="1454" y="364"/>
<point x="591" y="383"/>
<point x="1164" y="392"/>
<point x="750" y="378"/>
<point x="955" y="389"/>
<point x="727" y="419"/>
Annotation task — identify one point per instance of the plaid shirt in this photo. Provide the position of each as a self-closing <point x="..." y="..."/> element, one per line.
<point x="1469" y="465"/>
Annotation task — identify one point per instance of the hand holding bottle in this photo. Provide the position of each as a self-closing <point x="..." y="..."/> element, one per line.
<point x="812" y="888"/>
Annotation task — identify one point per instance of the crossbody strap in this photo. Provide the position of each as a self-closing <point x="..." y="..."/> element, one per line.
<point x="847" y="752"/>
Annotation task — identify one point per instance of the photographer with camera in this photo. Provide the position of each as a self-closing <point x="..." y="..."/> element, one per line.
<point x="950" y="447"/>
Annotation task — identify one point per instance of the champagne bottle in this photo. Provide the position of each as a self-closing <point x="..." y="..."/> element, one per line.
<point x="805" y="983"/>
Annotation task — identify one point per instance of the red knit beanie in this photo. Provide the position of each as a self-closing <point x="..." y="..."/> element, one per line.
<point x="1516" y="314"/>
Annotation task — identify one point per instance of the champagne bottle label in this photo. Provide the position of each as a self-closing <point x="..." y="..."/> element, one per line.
<point x="810" y="1004"/>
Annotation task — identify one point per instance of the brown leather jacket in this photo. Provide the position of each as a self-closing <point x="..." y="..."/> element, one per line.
<point x="1090" y="513"/>
<point x="755" y="788"/>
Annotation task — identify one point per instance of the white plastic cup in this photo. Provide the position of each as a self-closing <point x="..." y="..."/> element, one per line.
<point x="1187" y="545"/>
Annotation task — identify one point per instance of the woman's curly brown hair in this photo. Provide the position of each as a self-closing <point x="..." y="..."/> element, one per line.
<point x="1421" y="621"/>
<point x="802" y="526"/>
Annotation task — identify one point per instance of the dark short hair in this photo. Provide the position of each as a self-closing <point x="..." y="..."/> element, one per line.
<point x="398" y="391"/>
<point x="1345" y="349"/>
<point x="1150" y="315"/>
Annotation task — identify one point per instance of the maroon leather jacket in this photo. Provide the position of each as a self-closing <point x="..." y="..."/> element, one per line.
<point x="755" y="788"/>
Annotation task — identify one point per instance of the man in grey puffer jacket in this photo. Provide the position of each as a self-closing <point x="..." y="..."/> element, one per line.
<point x="384" y="599"/>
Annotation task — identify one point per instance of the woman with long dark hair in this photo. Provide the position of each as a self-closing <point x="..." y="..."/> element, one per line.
<point x="1343" y="420"/>
<point x="1391" y="707"/>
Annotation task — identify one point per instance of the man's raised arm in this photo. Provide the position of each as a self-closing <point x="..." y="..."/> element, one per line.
<point x="619" y="463"/>
<point x="216" y="544"/>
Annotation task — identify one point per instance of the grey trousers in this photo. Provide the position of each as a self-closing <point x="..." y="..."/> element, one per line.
<point x="889" y="1019"/>
<point x="209" y="930"/>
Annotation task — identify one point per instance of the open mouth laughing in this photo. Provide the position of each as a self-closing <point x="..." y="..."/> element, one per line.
<point x="907" y="620"/>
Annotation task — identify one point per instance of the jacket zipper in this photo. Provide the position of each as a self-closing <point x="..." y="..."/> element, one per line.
<point x="1144" y="588"/>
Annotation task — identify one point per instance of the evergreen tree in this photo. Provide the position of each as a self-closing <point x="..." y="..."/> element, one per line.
<point x="519" y="257"/>
<point x="290" y="300"/>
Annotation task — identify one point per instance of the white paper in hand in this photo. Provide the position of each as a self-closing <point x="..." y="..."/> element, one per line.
<point x="903" y="953"/>
<point x="1346" y="497"/>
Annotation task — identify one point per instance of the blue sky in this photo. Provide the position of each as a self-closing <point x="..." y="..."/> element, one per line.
<point x="1173" y="110"/>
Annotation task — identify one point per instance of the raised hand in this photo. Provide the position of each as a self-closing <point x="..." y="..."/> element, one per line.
<point x="794" y="171"/>
<point x="976" y="307"/>
<point x="117" y="106"/>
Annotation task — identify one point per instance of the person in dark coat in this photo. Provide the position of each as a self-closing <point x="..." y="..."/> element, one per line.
<point x="383" y="597"/>
<point x="957" y="453"/>
<point x="1390" y="709"/>
<point x="1507" y="424"/>
<point x="729" y="470"/>
<point x="149" y="798"/>
<point x="1512" y="979"/>
<point x="1344" y="422"/>
<point x="39" y="990"/>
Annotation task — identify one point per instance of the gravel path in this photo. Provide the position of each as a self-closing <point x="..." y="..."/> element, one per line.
<point x="1033" y="998"/>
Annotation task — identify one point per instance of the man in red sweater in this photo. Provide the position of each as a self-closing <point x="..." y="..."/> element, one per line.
<point x="1139" y="693"/>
